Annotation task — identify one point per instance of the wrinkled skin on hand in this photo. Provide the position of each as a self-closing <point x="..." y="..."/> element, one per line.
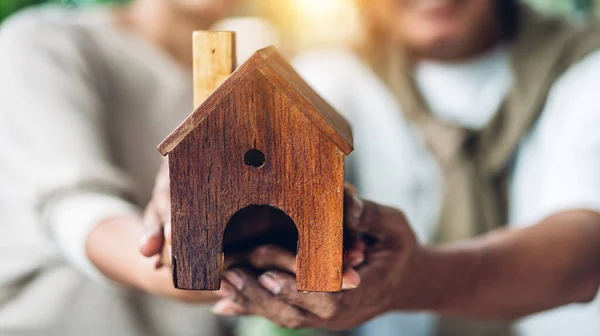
<point x="254" y="228"/>
<point x="383" y="262"/>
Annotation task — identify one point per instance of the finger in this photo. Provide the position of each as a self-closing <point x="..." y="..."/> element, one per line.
<point x="257" y="300"/>
<point x="353" y="210"/>
<point x="353" y="206"/>
<point x="167" y="231"/>
<point x="166" y="253"/>
<point x="323" y="305"/>
<point x="273" y="257"/>
<point x="227" y="307"/>
<point x="152" y="241"/>
<point x="233" y="259"/>
<point x="166" y="256"/>
<point x="350" y="279"/>
<point x="161" y="195"/>
<point x="383" y="223"/>
<point x="356" y="255"/>
<point x="158" y="262"/>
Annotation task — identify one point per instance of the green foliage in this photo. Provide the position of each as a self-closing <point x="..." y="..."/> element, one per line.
<point x="7" y="7"/>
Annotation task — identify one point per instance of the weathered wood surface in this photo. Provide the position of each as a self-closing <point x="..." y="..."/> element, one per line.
<point x="262" y="138"/>
<point x="214" y="60"/>
<point x="274" y="67"/>
<point x="302" y="175"/>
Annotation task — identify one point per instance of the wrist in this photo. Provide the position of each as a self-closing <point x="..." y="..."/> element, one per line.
<point x="452" y="273"/>
<point x="422" y="283"/>
<point x="143" y="277"/>
<point x="112" y="247"/>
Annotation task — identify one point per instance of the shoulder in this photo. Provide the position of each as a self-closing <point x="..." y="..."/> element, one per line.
<point x="44" y="28"/>
<point x="340" y="76"/>
<point x="330" y="65"/>
<point x="573" y="101"/>
<point x="331" y="59"/>
<point x="558" y="163"/>
<point x="41" y="19"/>
<point x="579" y="75"/>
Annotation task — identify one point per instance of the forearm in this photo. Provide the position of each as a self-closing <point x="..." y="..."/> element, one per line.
<point x="113" y="247"/>
<point x="513" y="273"/>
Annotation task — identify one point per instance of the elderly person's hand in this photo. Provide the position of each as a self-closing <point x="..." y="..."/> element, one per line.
<point x="391" y="254"/>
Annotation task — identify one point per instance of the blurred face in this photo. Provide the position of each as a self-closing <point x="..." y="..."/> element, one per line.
<point x="441" y="29"/>
<point x="212" y="9"/>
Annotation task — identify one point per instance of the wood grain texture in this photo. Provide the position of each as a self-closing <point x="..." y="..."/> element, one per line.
<point x="208" y="106"/>
<point x="274" y="67"/>
<point x="264" y="106"/>
<point x="214" y="61"/>
<point x="302" y="175"/>
<point x="323" y="116"/>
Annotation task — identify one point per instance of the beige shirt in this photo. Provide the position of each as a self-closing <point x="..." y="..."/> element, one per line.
<point x="556" y="167"/>
<point x="83" y="105"/>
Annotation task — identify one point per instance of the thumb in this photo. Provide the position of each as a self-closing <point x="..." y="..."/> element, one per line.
<point x="369" y="221"/>
<point x="153" y="239"/>
<point x="384" y="224"/>
<point x="350" y="279"/>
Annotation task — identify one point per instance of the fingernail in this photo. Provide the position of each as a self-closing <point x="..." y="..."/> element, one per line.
<point x="235" y="278"/>
<point x="350" y="279"/>
<point x="143" y="245"/>
<point x="348" y="286"/>
<point x="222" y="308"/>
<point x="153" y="232"/>
<point x="144" y="239"/>
<point x="266" y="249"/>
<point x="270" y="282"/>
<point x="360" y="259"/>
<point x="356" y="260"/>
<point x="147" y="235"/>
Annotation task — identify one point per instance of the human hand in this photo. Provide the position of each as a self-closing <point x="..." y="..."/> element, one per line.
<point x="386" y="274"/>
<point x="156" y="245"/>
<point x="156" y="242"/>
<point x="111" y="247"/>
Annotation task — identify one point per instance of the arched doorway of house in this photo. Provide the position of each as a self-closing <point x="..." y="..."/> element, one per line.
<point x="257" y="225"/>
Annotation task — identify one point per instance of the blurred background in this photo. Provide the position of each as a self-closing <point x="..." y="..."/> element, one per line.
<point x="304" y="24"/>
<point x="298" y="25"/>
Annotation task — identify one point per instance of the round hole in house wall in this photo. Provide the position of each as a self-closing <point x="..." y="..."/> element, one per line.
<point x="254" y="158"/>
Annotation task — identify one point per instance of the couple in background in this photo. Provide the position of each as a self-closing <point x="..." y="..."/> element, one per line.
<point x="475" y="118"/>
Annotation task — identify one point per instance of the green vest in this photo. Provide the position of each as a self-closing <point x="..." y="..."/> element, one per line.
<point x="475" y="163"/>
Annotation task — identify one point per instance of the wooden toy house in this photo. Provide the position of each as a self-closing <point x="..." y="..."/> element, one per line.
<point x="264" y="137"/>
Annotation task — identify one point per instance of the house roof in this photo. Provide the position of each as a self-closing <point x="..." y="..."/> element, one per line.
<point x="277" y="70"/>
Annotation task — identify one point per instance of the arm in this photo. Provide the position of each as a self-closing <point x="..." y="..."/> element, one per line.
<point x="61" y="163"/>
<point x="513" y="273"/>
<point x="503" y="275"/>
<point x="113" y="247"/>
